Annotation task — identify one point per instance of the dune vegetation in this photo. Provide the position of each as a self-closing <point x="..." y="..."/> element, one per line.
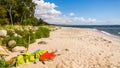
<point x="19" y="26"/>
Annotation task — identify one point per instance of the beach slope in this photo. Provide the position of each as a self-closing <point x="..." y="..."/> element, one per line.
<point x="78" y="48"/>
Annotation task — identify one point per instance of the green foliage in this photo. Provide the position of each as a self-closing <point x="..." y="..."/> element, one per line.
<point x="1" y="39"/>
<point x="16" y="11"/>
<point x="32" y="37"/>
<point x="42" y="32"/>
<point x="5" y="40"/>
<point x="20" y="41"/>
<point x="25" y="35"/>
<point x="3" y="12"/>
<point x="3" y="63"/>
<point x="0" y="42"/>
<point x="30" y="21"/>
<point x="42" y="22"/>
<point x="19" y="32"/>
<point x="19" y="12"/>
<point x="4" y="21"/>
<point x="10" y="33"/>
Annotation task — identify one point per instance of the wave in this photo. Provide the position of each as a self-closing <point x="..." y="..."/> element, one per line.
<point x="107" y="33"/>
<point x="118" y="32"/>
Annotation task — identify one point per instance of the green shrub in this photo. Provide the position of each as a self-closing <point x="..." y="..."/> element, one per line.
<point x="19" y="32"/>
<point x="24" y="37"/>
<point x="10" y="33"/>
<point x="42" y="32"/>
<point x="32" y="37"/>
<point x="30" y="21"/>
<point x="1" y="41"/>
<point x="5" y="40"/>
<point x="42" y="22"/>
<point x="20" y="41"/>
<point x="4" y="21"/>
<point x="3" y="63"/>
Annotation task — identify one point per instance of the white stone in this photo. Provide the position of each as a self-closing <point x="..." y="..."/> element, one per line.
<point x="19" y="49"/>
<point x="3" y="32"/>
<point x="15" y="34"/>
<point x="11" y="42"/>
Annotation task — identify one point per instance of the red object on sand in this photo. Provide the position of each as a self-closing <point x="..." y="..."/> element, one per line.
<point x="47" y="56"/>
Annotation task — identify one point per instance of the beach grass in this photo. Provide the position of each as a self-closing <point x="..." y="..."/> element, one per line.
<point x="24" y="35"/>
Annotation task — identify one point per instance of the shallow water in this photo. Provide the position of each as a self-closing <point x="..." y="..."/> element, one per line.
<point x="107" y="29"/>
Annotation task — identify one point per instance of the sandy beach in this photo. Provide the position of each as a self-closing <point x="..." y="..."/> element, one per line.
<point x="78" y="48"/>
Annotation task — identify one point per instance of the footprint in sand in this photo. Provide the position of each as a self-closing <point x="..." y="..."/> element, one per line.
<point x="61" y="65"/>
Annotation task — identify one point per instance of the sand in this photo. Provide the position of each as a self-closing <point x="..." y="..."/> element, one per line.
<point x="78" y="48"/>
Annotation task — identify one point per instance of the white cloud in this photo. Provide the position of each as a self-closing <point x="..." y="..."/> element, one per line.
<point x="48" y="12"/>
<point x="81" y="20"/>
<point x="113" y="21"/>
<point x="71" y="14"/>
<point x="45" y="9"/>
<point x="92" y="20"/>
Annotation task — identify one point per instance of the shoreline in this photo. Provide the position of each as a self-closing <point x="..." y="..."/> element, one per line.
<point x="115" y="36"/>
<point x="107" y="33"/>
<point x="100" y="31"/>
<point x="90" y="27"/>
<point x="78" y="48"/>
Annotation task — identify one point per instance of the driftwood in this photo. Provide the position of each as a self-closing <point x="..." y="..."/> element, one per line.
<point x="3" y="51"/>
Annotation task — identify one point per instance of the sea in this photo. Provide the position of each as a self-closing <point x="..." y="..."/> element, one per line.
<point x="113" y="30"/>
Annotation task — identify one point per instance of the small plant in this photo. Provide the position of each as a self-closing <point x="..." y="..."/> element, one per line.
<point x="5" y="40"/>
<point x="23" y="35"/>
<point x="3" y="63"/>
<point x="42" y="32"/>
<point x="19" y="42"/>
<point x="32" y="37"/>
<point x="10" y="33"/>
<point x="19" y="32"/>
<point x="1" y="40"/>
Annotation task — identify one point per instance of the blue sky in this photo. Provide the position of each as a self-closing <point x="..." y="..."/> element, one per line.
<point x="101" y="11"/>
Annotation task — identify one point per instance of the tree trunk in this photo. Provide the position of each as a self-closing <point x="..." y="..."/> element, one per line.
<point x="10" y="13"/>
<point x="21" y="20"/>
